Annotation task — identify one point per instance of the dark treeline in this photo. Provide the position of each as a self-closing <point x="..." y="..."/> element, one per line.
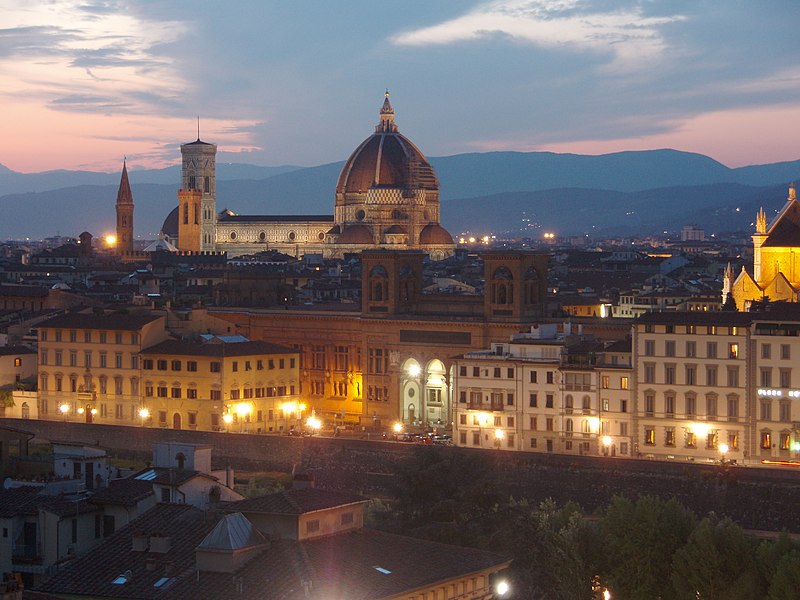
<point x="645" y="548"/>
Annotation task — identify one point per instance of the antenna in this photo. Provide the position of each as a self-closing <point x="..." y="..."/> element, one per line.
<point x="198" y="128"/>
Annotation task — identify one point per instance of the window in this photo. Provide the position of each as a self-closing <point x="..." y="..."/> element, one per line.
<point x="786" y="378"/>
<point x="733" y="350"/>
<point x="510" y="372"/>
<point x="191" y="365"/>
<point x="711" y="375"/>
<point x="766" y="440"/>
<point x="509" y="398"/>
<point x="605" y="404"/>
<point x="118" y="360"/>
<point x="215" y="367"/>
<point x="649" y="404"/>
<point x="733" y="440"/>
<point x="118" y="411"/>
<point x="117" y="338"/>
<point x="175" y="392"/>
<point x="766" y="410"/>
<point x="347" y="518"/>
<point x="711" y="440"/>
<point x="669" y="348"/>
<point x="691" y="374"/>
<point x="691" y="406"/>
<point x="476" y="371"/>
<point x="691" y="439"/>
<point x="604" y="382"/>
<point x="649" y="436"/>
<point x="785" y="409"/>
<point x="134" y="361"/>
<point x="162" y="391"/>
<point x="510" y="422"/>
<point x="549" y="424"/>
<point x="534" y="423"/>
<point x="235" y="366"/>
<point x="623" y="406"/>
<point x="785" y="352"/>
<point x="58" y="358"/>
<point x="733" y="408"/>
<point x="176" y="365"/>
<point x="533" y="400"/>
<point x="648" y="328"/>
<point x="669" y="436"/>
<point x="783" y="441"/>
<point x="118" y="386"/>
<point x="649" y="372"/>
<point x="765" y="377"/>
<point x="711" y="350"/>
<point x="733" y="376"/>
<point x="691" y="349"/>
<point x="161" y="364"/>
<point x="73" y="358"/>
<point x="669" y="374"/>
<point x="216" y="395"/>
<point x="533" y="377"/>
<point x="550" y="377"/>
<point x="87" y="360"/>
<point x="462" y="371"/>
<point x="669" y="405"/>
<point x="711" y="406"/>
<point x="623" y="383"/>
<point x="766" y="351"/>
<point x="476" y="438"/>
<point x="248" y="366"/>
<point x="548" y="400"/>
<point x="147" y="364"/>
<point x="649" y="348"/>
<point x="533" y="443"/>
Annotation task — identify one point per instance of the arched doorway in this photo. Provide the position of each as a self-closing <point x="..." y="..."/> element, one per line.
<point x="437" y="412"/>
<point x="176" y="421"/>
<point x="88" y="413"/>
<point x="26" y="411"/>
<point x="410" y="391"/>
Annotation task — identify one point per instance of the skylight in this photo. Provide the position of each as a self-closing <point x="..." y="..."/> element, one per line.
<point x="163" y="582"/>
<point x="382" y="570"/>
<point x="146" y="476"/>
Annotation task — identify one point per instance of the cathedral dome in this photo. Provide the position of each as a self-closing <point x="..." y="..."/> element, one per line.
<point x="386" y="159"/>
<point x="355" y="234"/>
<point x="170" y="225"/>
<point x="433" y="233"/>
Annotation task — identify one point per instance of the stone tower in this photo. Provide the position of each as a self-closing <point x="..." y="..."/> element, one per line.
<point x="124" y="213"/>
<point x="197" y="198"/>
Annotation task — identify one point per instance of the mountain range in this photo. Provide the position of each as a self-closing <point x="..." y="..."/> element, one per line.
<point x="504" y="193"/>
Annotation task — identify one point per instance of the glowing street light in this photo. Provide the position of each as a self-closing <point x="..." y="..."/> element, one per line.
<point x="413" y="370"/>
<point x="398" y="428"/>
<point x="64" y="408"/>
<point x="111" y="240"/>
<point x="502" y="588"/>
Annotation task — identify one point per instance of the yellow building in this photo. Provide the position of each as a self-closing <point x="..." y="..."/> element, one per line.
<point x="776" y="260"/>
<point x="89" y="365"/>
<point x="214" y="386"/>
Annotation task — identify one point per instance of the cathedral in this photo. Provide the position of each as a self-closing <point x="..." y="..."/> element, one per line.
<point x="387" y="197"/>
<point x="776" y="260"/>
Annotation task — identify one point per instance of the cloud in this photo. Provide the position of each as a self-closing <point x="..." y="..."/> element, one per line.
<point x="576" y="25"/>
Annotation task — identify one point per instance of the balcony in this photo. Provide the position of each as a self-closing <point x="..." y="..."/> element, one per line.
<point x="497" y="406"/>
<point x="27" y="554"/>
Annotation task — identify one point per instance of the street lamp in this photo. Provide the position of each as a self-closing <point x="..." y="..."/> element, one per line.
<point x="64" y="410"/>
<point x="723" y="450"/>
<point x="499" y="434"/>
<point x="502" y="588"/>
<point x="144" y="414"/>
<point x="227" y="418"/>
<point x="607" y="442"/>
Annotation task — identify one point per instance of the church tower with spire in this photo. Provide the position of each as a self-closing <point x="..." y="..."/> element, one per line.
<point x="124" y="213"/>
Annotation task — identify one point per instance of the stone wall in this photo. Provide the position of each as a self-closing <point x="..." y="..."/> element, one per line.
<point x="755" y="498"/>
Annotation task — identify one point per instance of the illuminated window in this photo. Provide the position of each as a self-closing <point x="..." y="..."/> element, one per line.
<point x="650" y="436"/>
<point x="733" y="350"/>
<point x="733" y="440"/>
<point x="623" y="383"/>
<point x="766" y="440"/>
<point x="669" y="436"/>
<point x="691" y="440"/>
<point x="711" y="441"/>
<point x="785" y="439"/>
<point x="604" y="382"/>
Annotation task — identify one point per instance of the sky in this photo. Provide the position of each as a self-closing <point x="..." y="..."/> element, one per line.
<point x="274" y="82"/>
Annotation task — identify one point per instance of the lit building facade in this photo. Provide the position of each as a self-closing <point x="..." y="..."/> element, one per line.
<point x="545" y="391"/>
<point x="776" y="260"/>
<point x="249" y="387"/>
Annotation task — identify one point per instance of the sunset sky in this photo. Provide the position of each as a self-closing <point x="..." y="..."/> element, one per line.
<point x="300" y="82"/>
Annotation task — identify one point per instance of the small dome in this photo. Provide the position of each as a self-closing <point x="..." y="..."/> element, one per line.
<point x="170" y="226"/>
<point x="335" y="230"/>
<point x="356" y="234"/>
<point x="433" y="234"/>
<point x="395" y="229"/>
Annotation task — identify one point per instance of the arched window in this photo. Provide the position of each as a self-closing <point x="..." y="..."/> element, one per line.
<point x="180" y="458"/>
<point x="186" y="214"/>
<point x="26" y="411"/>
<point x="379" y="284"/>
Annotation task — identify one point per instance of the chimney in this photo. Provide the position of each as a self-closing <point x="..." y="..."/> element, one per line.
<point x="140" y="542"/>
<point x="159" y="544"/>
<point x="150" y="563"/>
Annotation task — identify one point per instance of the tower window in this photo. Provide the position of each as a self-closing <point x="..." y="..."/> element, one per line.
<point x="206" y="184"/>
<point x="185" y="214"/>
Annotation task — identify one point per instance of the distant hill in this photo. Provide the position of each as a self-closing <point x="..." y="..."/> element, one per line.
<point x="513" y="192"/>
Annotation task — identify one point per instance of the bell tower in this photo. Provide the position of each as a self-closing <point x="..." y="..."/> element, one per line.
<point x="124" y="213"/>
<point x="198" y="195"/>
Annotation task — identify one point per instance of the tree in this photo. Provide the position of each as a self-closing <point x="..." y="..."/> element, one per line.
<point x="786" y="582"/>
<point x="638" y="541"/>
<point x="717" y="563"/>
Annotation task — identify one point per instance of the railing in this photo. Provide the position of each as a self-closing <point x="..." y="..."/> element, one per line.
<point x="27" y="553"/>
